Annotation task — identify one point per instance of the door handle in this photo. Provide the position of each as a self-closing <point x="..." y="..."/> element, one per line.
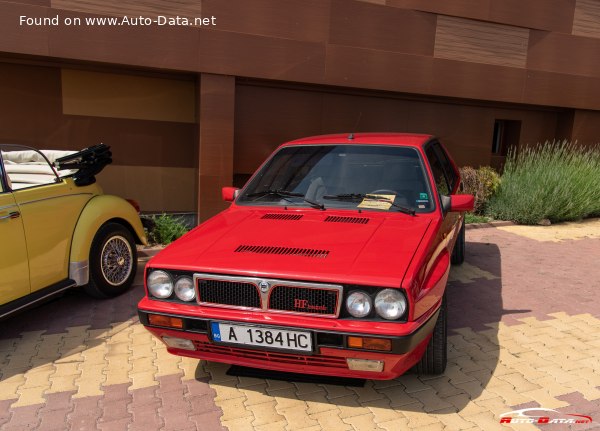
<point x="11" y="215"/>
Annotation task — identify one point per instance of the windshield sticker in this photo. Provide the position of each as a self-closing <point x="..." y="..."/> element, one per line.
<point x="423" y="197"/>
<point x="377" y="202"/>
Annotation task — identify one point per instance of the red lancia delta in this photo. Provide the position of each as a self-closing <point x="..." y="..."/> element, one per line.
<point x="333" y="259"/>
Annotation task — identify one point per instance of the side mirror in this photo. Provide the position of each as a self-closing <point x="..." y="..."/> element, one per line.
<point x="229" y="193"/>
<point x="462" y="202"/>
<point x="457" y="203"/>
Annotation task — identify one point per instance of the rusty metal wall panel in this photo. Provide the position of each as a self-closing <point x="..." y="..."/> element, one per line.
<point x="383" y="28"/>
<point x="481" y="42"/>
<point x="303" y="20"/>
<point x="564" y="53"/>
<point x="550" y="15"/>
<point x="147" y="8"/>
<point x="587" y="18"/>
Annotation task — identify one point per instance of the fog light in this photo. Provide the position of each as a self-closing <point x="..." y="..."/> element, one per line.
<point x="166" y="321"/>
<point x="365" y="365"/>
<point x="179" y="343"/>
<point x="367" y="343"/>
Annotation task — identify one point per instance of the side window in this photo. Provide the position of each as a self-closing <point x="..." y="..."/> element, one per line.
<point x="26" y="167"/>
<point x="438" y="171"/>
<point x="446" y="165"/>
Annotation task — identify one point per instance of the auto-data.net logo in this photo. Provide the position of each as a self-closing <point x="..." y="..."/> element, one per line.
<point x="542" y="416"/>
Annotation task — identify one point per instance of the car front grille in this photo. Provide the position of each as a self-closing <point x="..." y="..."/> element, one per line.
<point x="281" y="296"/>
<point x="303" y="300"/>
<point x="233" y="293"/>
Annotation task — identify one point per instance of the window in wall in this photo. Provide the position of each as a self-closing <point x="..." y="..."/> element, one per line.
<point x="506" y="136"/>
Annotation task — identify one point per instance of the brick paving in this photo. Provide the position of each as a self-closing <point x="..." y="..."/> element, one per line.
<point x="524" y="322"/>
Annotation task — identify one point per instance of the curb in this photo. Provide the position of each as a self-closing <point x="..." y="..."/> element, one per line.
<point x="489" y="224"/>
<point x="148" y="251"/>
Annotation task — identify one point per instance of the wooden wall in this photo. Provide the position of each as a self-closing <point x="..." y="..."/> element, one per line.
<point x="538" y="52"/>
<point x="154" y="160"/>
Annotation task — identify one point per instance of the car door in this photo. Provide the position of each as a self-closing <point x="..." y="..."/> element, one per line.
<point x="49" y="209"/>
<point x="14" y="268"/>
<point x="446" y="180"/>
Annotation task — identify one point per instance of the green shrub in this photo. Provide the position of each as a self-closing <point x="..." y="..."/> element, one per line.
<point x="474" y="218"/>
<point x="166" y="229"/>
<point x="481" y="183"/>
<point x="558" y="181"/>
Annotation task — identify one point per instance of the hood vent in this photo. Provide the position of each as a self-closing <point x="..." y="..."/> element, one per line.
<point x="282" y="216"/>
<point x="340" y="219"/>
<point x="286" y="251"/>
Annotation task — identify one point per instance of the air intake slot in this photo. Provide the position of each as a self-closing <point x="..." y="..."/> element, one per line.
<point x="282" y="216"/>
<point x="286" y="251"/>
<point x="341" y="219"/>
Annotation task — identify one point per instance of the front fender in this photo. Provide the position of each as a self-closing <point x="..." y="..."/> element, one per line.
<point x="99" y="210"/>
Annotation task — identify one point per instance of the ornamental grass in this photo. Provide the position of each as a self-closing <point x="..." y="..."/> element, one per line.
<point x="555" y="181"/>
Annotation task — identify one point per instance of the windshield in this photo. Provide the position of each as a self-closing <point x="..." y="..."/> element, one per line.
<point x="370" y="177"/>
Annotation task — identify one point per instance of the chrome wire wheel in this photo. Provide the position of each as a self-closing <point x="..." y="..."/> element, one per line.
<point x="116" y="260"/>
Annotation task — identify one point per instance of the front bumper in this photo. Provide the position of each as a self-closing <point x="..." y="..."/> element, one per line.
<point x="330" y="351"/>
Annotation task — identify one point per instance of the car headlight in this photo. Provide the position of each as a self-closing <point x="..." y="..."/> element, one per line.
<point x="390" y="304"/>
<point x="160" y="284"/>
<point x="184" y="289"/>
<point x="359" y="304"/>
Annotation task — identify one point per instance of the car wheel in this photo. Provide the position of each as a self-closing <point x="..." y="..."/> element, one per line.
<point x="458" y="253"/>
<point x="436" y="355"/>
<point x="113" y="261"/>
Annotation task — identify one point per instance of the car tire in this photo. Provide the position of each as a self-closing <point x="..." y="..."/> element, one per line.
<point x="458" y="252"/>
<point x="113" y="261"/>
<point x="435" y="357"/>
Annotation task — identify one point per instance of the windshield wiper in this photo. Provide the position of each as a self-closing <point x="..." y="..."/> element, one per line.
<point x="284" y="194"/>
<point x="360" y="196"/>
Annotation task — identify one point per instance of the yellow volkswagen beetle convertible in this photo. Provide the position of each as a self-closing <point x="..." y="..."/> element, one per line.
<point x="58" y="230"/>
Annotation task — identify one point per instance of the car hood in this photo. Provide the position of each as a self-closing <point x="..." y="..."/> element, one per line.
<point x="372" y="248"/>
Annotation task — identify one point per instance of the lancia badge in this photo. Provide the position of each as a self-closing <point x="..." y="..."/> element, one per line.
<point x="264" y="286"/>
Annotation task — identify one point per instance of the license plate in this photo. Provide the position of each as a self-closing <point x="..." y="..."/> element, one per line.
<point x="260" y="336"/>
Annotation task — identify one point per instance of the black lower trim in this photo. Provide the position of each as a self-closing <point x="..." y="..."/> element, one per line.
<point x="333" y="339"/>
<point x="35" y="298"/>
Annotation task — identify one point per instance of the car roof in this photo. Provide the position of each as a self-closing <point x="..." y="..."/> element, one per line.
<point x="403" y="139"/>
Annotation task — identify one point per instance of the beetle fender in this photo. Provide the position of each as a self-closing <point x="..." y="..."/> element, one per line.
<point x="99" y="210"/>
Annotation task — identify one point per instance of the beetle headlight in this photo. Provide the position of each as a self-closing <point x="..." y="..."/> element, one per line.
<point x="359" y="304"/>
<point x="160" y="284"/>
<point x="184" y="289"/>
<point x="390" y="304"/>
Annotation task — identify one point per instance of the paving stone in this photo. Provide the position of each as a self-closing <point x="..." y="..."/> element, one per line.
<point x="383" y="412"/>
<point x="234" y="409"/>
<point x="317" y="402"/>
<point x="394" y="425"/>
<point x="331" y="421"/>
<point x="398" y="396"/>
<point x="452" y="420"/>
<point x="431" y="401"/>
<point x="364" y="422"/>
<point x="256" y="395"/>
<point x="296" y="417"/>
<point x="367" y="394"/>
<point x="442" y="386"/>
<point x="349" y="406"/>
<point x="265" y="413"/>
<point x="413" y="384"/>
<point x="417" y="417"/>
<point x="207" y="421"/>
